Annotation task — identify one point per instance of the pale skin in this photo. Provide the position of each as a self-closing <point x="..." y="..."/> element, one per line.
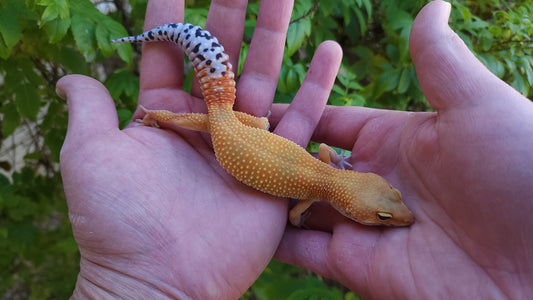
<point x="152" y="211"/>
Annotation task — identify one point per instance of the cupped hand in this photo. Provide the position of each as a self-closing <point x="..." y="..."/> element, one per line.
<point x="152" y="211"/>
<point x="465" y="171"/>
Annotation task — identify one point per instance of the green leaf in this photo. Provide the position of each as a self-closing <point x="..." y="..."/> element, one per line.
<point x="354" y="85"/>
<point x="14" y="75"/>
<point x="465" y="12"/>
<point x="327" y="7"/>
<point x="103" y="39"/>
<point x="519" y="83"/>
<point x="122" y="82"/>
<point x="529" y="72"/>
<point x="386" y="82"/>
<point x="11" y="119"/>
<point x="399" y="19"/>
<point x="361" y="19"/>
<point x="22" y="233"/>
<point x="55" y="117"/>
<point x="27" y="101"/>
<point x="54" y="9"/>
<point x="293" y="75"/>
<point x="300" y="26"/>
<point x="405" y="81"/>
<point x="84" y="20"/>
<point x="242" y="57"/>
<point x="124" y="117"/>
<point x="351" y="296"/>
<point x="339" y="90"/>
<point x="356" y="100"/>
<point x="3" y="233"/>
<point x="109" y="29"/>
<point x="83" y="29"/>
<point x="368" y="6"/>
<point x="9" y="26"/>
<point x="19" y="207"/>
<point x="54" y="139"/>
<point x="345" y="76"/>
<point x="296" y="35"/>
<point x="494" y="65"/>
<point x="71" y="59"/>
<point x="495" y="30"/>
<point x="196" y="16"/>
<point x="57" y="29"/>
<point x="318" y="293"/>
<point x="5" y="52"/>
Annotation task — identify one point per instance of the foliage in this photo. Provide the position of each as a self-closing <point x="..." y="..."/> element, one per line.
<point x="39" y="257"/>
<point x="282" y="281"/>
<point x="499" y="32"/>
<point x="42" y="40"/>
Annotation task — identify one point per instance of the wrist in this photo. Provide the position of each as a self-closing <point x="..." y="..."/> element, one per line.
<point x="97" y="282"/>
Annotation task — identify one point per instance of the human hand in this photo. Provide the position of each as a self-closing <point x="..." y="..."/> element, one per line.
<point x="152" y="211"/>
<point x="465" y="171"/>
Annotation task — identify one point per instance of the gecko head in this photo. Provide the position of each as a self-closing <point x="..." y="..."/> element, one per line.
<point x="373" y="201"/>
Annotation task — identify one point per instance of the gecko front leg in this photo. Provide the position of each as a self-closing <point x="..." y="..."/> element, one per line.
<point x="329" y="155"/>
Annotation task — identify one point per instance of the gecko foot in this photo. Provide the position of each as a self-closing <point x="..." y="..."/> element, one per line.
<point x="341" y="160"/>
<point x="147" y="120"/>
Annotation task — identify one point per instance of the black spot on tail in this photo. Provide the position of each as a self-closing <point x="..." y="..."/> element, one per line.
<point x="196" y="48"/>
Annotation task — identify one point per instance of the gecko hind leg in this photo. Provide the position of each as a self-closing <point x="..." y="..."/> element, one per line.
<point x="194" y="121"/>
<point x="329" y="155"/>
<point x="297" y="215"/>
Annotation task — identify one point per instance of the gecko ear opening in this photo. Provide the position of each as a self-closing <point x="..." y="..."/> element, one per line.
<point x="384" y="216"/>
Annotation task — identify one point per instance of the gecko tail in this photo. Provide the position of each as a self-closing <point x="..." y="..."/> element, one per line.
<point x="202" y="48"/>
<point x="168" y="32"/>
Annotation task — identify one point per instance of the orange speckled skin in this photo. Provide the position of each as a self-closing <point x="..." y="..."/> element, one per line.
<point x="266" y="161"/>
<point x="280" y="167"/>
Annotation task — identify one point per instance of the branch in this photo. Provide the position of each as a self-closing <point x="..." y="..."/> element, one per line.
<point x="312" y="10"/>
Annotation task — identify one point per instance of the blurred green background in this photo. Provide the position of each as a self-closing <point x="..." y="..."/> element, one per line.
<point x="40" y="41"/>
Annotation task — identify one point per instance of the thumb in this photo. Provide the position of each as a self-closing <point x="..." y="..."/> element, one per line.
<point x="90" y="107"/>
<point x="449" y="73"/>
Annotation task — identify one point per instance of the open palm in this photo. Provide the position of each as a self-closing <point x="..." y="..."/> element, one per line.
<point x="152" y="209"/>
<point x="465" y="171"/>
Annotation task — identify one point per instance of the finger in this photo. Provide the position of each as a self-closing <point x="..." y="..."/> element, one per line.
<point x="449" y="73"/>
<point x="161" y="63"/>
<point x="259" y="78"/>
<point x="342" y="127"/>
<point x="302" y="116"/>
<point x="372" y="135"/>
<point x="91" y="110"/>
<point x="323" y="217"/>
<point x="226" y="22"/>
<point x="305" y="248"/>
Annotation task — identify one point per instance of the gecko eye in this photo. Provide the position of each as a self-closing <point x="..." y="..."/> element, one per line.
<point x="384" y="216"/>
